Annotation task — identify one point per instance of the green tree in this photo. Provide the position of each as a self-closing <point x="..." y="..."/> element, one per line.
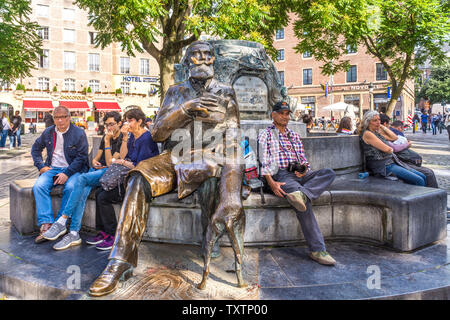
<point x="436" y="89"/>
<point x="163" y="27"/>
<point x="20" y="45"/>
<point x="400" y="34"/>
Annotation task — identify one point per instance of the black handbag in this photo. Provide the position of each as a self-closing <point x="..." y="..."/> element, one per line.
<point x="410" y="156"/>
<point x="114" y="176"/>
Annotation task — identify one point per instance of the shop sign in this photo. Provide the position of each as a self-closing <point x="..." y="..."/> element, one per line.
<point x="71" y="97"/>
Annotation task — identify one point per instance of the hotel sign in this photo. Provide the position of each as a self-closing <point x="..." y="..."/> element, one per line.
<point x="140" y="79"/>
<point x="363" y="87"/>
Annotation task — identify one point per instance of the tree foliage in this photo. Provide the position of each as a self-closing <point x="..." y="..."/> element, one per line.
<point x="164" y="27"/>
<point x="437" y="88"/>
<point x="20" y="45"/>
<point x="400" y="34"/>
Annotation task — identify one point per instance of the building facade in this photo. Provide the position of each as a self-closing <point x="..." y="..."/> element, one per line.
<point x="364" y="85"/>
<point x="74" y="73"/>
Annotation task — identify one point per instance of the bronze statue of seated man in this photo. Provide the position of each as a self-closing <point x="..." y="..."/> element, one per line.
<point x="198" y="100"/>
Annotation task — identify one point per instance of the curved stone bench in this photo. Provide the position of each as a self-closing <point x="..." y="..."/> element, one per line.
<point x="391" y="213"/>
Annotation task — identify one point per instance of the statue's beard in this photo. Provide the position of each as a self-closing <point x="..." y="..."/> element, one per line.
<point x="202" y="71"/>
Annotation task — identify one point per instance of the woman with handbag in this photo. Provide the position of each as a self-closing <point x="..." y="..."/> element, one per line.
<point x="380" y="158"/>
<point x="137" y="145"/>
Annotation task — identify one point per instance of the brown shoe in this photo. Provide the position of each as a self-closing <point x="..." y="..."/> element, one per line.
<point x="322" y="257"/>
<point x="44" y="227"/>
<point x="107" y="282"/>
<point x="298" y="200"/>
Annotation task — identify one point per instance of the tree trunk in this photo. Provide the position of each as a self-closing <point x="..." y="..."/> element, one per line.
<point x="396" y="91"/>
<point x="166" y="74"/>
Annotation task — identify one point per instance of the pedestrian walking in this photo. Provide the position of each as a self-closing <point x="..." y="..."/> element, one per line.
<point x="434" y="123"/>
<point x="416" y="121"/>
<point x="48" y="119"/>
<point x="424" y="120"/>
<point x="16" y="121"/>
<point x="440" y="122"/>
<point x="5" y="127"/>
<point x="447" y="124"/>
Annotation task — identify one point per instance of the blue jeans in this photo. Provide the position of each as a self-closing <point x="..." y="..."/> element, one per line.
<point x="41" y="191"/>
<point x="433" y="125"/>
<point x="410" y="176"/>
<point x="77" y="200"/>
<point x="16" y="136"/>
<point x="3" y="138"/>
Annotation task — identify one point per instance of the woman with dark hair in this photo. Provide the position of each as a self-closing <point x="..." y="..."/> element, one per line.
<point x="345" y="126"/>
<point x="380" y="158"/>
<point x="308" y="120"/>
<point x="137" y="145"/>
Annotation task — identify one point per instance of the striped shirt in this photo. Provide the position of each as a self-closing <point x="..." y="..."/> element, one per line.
<point x="276" y="153"/>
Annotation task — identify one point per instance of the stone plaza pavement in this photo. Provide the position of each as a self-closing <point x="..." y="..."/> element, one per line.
<point x="363" y="271"/>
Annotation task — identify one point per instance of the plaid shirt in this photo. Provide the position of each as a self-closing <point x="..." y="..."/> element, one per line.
<point x="275" y="154"/>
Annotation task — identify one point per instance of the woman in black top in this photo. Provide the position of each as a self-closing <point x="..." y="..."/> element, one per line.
<point x="380" y="158"/>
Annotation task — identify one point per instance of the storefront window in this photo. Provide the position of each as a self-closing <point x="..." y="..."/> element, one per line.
<point x="354" y="100"/>
<point x="40" y="116"/>
<point x="310" y="103"/>
<point x="380" y="102"/>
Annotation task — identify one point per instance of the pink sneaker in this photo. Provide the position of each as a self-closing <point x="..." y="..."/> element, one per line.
<point x="106" y="244"/>
<point x="97" y="239"/>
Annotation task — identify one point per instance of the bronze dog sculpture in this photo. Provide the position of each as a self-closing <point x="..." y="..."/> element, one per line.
<point x="224" y="219"/>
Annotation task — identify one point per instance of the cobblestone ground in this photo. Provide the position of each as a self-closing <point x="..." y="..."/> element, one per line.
<point x="435" y="151"/>
<point x="17" y="164"/>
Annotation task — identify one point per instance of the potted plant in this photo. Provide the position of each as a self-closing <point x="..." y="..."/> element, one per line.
<point x="90" y="123"/>
<point x="20" y="89"/>
<point x="55" y="92"/>
<point x="119" y="95"/>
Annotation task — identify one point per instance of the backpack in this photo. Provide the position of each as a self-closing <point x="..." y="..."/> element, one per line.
<point x="1" y="124"/>
<point x="252" y="177"/>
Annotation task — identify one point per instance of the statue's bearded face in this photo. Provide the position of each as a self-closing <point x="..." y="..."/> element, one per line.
<point x="201" y="62"/>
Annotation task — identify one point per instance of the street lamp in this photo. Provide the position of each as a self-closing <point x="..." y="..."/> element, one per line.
<point x="371" y="96"/>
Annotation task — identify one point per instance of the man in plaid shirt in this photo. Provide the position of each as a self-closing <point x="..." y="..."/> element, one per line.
<point x="279" y="147"/>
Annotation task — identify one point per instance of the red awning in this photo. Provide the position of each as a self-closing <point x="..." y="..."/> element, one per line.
<point x="75" y="105"/>
<point x="104" y="106"/>
<point x="37" y="105"/>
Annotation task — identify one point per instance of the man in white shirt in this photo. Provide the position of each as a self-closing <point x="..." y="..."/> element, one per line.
<point x="447" y="123"/>
<point x="5" y="131"/>
<point x="67" y="157"/>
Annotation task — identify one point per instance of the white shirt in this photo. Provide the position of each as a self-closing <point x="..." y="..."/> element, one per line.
<point x="400" y="140"/>
<point x="447" y="120"/>
<point x="59" y="159"/>
<point x="6" y="125"/>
